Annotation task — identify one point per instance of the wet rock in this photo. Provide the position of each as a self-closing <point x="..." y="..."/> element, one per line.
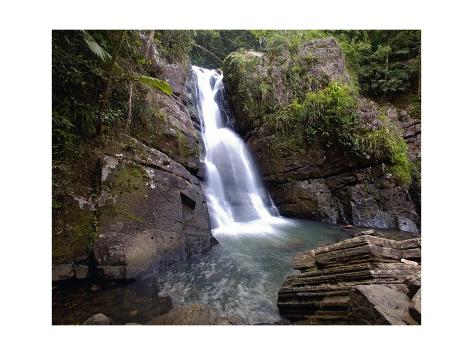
<point x="98" y="319"/>
<point x="193" y="314"/>
<point x="357" y="281"/>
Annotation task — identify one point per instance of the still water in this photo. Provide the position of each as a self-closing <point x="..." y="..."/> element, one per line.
<point x="242" y="275"/>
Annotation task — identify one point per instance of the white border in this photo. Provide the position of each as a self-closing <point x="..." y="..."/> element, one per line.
<point x="26" y="178"/>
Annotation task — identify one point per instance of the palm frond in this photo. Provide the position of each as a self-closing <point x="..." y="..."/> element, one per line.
<point x="155" y="83"/>
<point x="95" y="48"/>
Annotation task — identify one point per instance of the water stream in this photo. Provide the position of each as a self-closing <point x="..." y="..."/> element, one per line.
<point x="237" y="200"/>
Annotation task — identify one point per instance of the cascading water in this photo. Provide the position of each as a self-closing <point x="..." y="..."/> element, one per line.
<point x="237" y="200"/>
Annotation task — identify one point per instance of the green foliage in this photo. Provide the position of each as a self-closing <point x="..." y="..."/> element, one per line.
<point x="174" y="45"/>
<point x="242" y="74"/>
<point x="415" y="107"/>
<point x="219" y="43"/>
<point x="95" y="47"/>
<point x="270" y="40"/>
<point x="385" y="63"/>
<point x="329" y="117"/>
<point x="386" y="143"/>
<point x="89" y="83"/>
<point x="155" y="83"/>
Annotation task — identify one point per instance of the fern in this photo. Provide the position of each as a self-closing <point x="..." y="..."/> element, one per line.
<point x="155" y="83"/>
<point x="95" y="48"/>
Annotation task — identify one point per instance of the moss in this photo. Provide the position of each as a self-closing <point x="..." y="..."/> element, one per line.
<point x="74" y="233"/>
<point x="329" y="117"/>
<point x="184" y="150"/>
<point x="415" y="107"/>
<point x="111" y="211"/>
<point x="386" y="143"/>
<point x="401" y="166"/>
<point x="326" y="116"/>
<point x="245" y="78"/>
<point x="128" y="179"/>
<point x="310" y="59"/>
<point x="127" y="188"/>
<point x="149" y="122"/>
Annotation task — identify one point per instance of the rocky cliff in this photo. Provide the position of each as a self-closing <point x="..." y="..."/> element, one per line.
<point x="325" y="153"/>
<point x="135" y="201"/>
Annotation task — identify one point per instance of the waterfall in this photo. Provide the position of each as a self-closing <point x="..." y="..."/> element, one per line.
<point x="237" y="200"/>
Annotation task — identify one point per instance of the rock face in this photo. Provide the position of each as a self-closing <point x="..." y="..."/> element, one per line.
<point x="357" y="281"/>
<point x="315" y="181"/>
<point x="136" y="202"/>
<point x="152" y="211"/>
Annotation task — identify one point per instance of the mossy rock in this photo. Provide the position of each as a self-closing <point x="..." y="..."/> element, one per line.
<point x="161" y="123"/>
<point x="74" y="232"/>
<point x="126" y="188"/>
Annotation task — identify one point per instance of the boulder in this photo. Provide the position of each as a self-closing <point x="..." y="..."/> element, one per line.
<point x="68" y="271"/>
<point x="98" y="319"/>
<point x="193" y="314"/>
<point x="357" y="281"/>
<point x="151" y="211"/>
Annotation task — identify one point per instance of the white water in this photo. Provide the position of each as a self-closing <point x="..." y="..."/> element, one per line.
<point x="237" y="201"/>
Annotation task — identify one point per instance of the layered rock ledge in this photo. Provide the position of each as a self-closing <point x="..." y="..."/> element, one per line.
<point x="362" y="280"/>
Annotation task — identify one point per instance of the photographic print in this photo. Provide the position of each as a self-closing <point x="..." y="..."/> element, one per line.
<point x="236" y="177"/>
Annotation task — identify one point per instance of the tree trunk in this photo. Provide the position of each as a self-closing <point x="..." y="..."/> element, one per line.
<point x="130" y="103"/>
